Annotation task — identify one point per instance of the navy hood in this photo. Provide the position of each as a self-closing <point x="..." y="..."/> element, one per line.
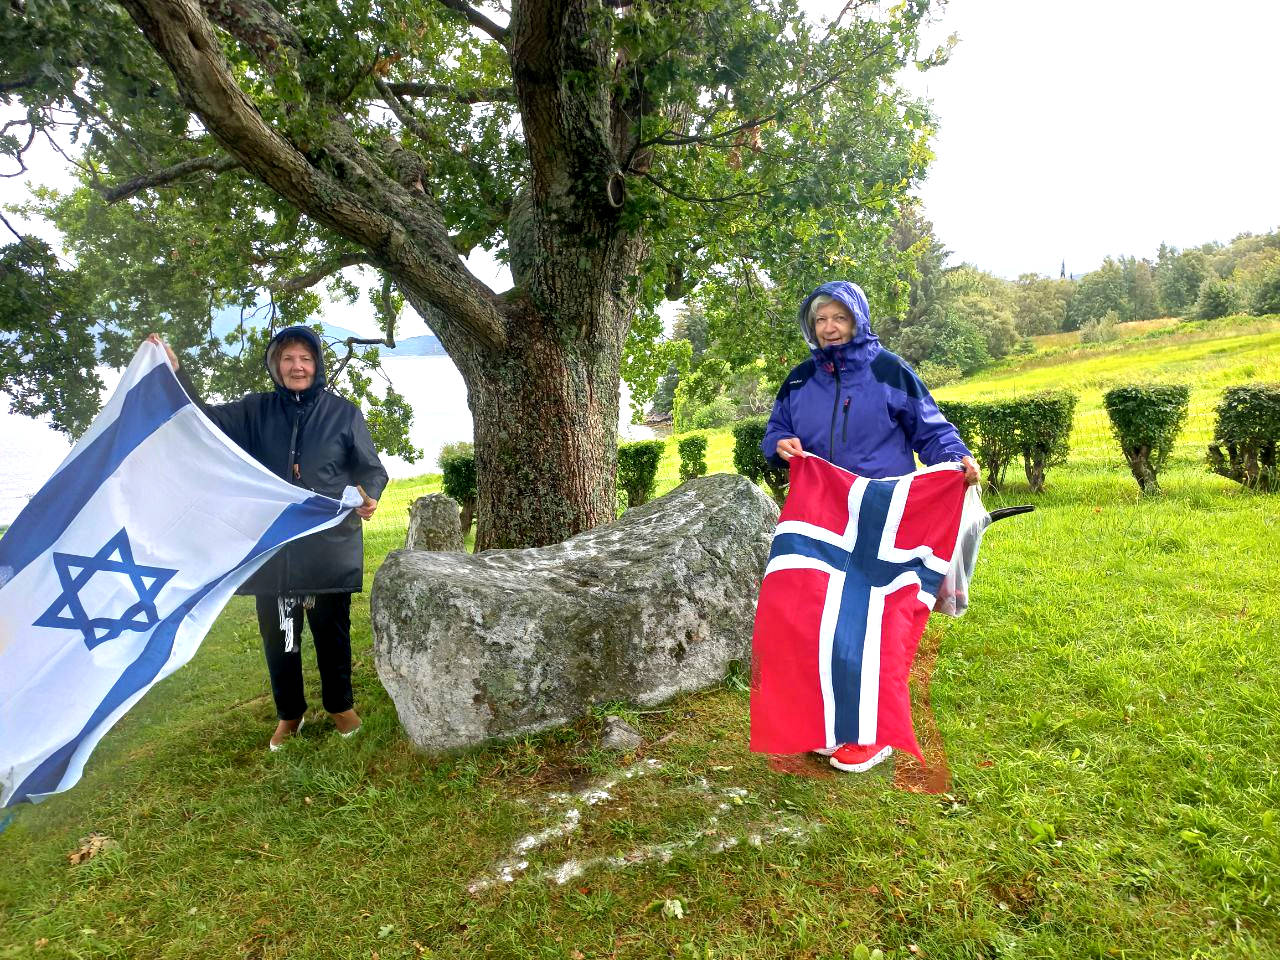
<point x="862" y="346"/>
<point x="310" y="337"/>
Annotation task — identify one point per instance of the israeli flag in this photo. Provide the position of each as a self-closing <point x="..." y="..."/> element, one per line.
<point x="116" y="569"/>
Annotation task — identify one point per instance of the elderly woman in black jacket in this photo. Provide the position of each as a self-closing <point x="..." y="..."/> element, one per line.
<point x="313" y="438"/>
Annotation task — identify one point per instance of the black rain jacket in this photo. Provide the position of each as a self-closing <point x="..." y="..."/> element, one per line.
<point x="326" y="436"/>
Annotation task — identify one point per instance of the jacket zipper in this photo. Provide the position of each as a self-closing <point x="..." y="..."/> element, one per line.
<point x="293" y="450"/>
<point x="831" y="445"/>
<point x="288" y="470"/>
<point x="844" y="422"/>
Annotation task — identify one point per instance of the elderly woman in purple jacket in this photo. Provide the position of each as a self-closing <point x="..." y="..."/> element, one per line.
<point x="863" y="408"/>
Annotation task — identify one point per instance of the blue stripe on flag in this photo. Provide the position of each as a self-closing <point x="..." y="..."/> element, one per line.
<point x="148" y="405"/>
<point x="805" y="546"/>
<point x="295" y="519"/>
<point x="866" y="570"/>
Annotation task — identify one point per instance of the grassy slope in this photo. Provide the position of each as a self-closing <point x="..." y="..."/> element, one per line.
<point x="1111" y="707"/>
<point x="1206" y="356"/>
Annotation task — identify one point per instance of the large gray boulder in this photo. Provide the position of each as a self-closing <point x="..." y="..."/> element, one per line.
<point x="434" y="524"/>
<point x="477" y="646"/>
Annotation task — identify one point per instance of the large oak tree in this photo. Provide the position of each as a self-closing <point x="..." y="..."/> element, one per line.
<point x="611" y="152"/>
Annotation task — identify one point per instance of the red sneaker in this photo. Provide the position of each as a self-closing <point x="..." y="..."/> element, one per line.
<point x="856" y="758"/>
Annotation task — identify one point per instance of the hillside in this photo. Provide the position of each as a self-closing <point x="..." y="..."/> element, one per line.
<point x="1206" y="355"/>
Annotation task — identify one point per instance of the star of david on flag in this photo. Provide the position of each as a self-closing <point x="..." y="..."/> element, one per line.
<point x="76" y="573"/>
<point x="114" y="572"/>
<point x="855" y="568"/>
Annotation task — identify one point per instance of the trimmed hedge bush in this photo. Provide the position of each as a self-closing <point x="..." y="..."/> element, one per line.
<point x="1044" y="428"/>
<point x="964" y="417"/>
<point x="1146" y="420"/>
<point x="750" y="462"/>
<point x="638" y="469"/>
<point x="693" y="455"/>
<point x="997" y="436"/>
<point x="458" y="465"/>
<point x="1035" y="427"/>
<point x="1248" y="425"/>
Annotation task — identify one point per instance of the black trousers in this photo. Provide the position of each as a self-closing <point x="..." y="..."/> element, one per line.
<point x="330" y="621"/>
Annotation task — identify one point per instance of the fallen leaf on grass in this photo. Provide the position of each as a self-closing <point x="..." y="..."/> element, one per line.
<point x="42" y="943"/>
<point x="90" y="846"/>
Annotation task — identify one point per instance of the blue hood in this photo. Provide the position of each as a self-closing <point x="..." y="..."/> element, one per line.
<point x="857" y="404"/>
<point x="297" y="333"/>
<point x="863" y="346"/>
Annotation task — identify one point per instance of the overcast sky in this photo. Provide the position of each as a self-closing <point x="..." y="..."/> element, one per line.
<point x="1074" y="129"/>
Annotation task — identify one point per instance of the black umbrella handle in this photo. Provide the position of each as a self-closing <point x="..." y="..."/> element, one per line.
<point x="1010" y="512"/>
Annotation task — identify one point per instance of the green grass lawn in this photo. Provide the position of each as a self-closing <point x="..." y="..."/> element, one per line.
<point x="1110" y="707"/>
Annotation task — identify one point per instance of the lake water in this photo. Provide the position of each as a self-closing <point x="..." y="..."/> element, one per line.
<point x="30" y="450"/>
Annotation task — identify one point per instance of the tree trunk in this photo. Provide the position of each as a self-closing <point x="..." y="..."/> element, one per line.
<point x="1142" y="468"/>
<point x="545" y="415"/>
<point x="1033" y="465"/>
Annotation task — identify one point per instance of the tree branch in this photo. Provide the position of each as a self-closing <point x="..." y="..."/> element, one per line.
<point x="323" y="270"/>
<point x="689" y="198"/>
<point x="668" y="141"/>
<point x="259" y="26"/>
<point x="158" y="178"/>
<point x="414" y="124"/>
<point x="478" y="19"/>
<point x="572" y="159"/>
<point x="445" y="92"/>
<point x="22" y="150"/>
<point x="421" y="260"/>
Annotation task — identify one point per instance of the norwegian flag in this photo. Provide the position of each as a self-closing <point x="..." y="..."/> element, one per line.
<point x="855" y="568"/>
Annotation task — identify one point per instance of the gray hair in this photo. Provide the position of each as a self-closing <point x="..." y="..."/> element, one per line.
<point x="818" y="302"/>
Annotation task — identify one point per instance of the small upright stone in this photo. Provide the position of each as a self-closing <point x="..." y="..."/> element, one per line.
<point x="433" y="524"/>
<point x="619" y="735"/>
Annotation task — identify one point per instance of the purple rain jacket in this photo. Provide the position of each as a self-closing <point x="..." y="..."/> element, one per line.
<point x="857" y="404"/>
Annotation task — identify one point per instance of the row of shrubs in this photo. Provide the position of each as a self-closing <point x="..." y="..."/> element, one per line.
<point x="1147" y="419"/>
<point x="1035" y="429"/>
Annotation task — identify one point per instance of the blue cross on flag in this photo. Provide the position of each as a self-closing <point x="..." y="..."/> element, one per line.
<point x="114" y="572"/>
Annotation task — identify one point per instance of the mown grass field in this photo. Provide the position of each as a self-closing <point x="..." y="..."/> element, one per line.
<point x="1110" y="707"/>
